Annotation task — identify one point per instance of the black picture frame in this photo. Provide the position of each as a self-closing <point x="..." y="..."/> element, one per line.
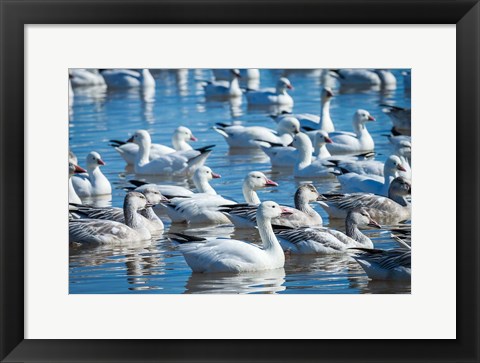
<point x="15" y="14"/>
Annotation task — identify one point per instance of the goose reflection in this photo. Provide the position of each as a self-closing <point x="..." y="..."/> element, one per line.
<point x="262" y="282"/>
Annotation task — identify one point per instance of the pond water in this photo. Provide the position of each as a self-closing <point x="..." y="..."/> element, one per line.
<point x="98" y="115"/>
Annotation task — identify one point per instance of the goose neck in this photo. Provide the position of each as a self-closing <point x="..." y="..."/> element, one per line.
<point x="131" y="216"/>
<point x="304" y="157"/>
<point x="151" y="215"/>
<point x="250" y="195"/>
<point x="303" y="205"/>
<point x="143" y="155"/>
<point x="321" y="151"/>
<point x="353" y="232"/>
<point x="325" y="119"/>
<point x="180" y="144"/>
<point x="402" y="200"/>
<point x="269" y="240"/>
<point x="203" y="186"/>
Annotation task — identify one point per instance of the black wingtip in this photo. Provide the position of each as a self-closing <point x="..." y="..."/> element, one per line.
<point x="117" y="143"/>
<point x="185" y="238"/>
<point x="221" y="124"/>
<point x="308" y="128"/>
<point x="137" y="183"/>
<point x="205" y="148"/>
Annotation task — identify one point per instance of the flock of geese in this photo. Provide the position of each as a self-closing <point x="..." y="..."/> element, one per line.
<point x="372" y="193"/>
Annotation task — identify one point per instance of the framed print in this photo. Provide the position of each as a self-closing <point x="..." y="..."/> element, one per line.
<point x="190" y="78"/>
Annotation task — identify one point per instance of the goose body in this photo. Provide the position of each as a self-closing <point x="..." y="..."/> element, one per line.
<point x="304" y="167"/>
<point x="106" y="231"/>
<point x="385" y="210"/>
<point x="128" y="78"/>
<point x="277" y="96"/>
<point x="177" y="163"/>
<point x="228" y="88"/>
<point x="386" y="264"/>
<point x="306" y="240"/>
<point x="366" y="77"/>
<point x="82" y="77"/>
<point x="180" y="141"/>
<point x="238" y="136"/>
<point x="353" y="143"/>
<point x="401" y="118"/>
<point x="209" y="255"/>
<point x="352" y="182"/>
<point x="93" y="182"/>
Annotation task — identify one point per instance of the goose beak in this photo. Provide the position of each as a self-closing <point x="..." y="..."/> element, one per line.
<point x="164" y="199"/>
<point x="193" y="138"/>
<point x="130" y="139"/>
<point x="289" y="86"/>
<point x="286" y="211"/>
<point x="79" y="169"/>
<point x="270" y="183"/>
<point x="401" y="168"/>
<point x="215" y="175"/>
<point x="371" y="118"/>
<point x="373" y="223"/>
<point x="329" y="93"/>
<point x="101" y="162"/>
<point x="321" y="197"/>
<point x="328" y="140"/>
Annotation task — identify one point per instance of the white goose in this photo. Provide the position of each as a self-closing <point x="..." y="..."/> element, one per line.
<point x="72" y="195"/>
<point x="177" y="163"/>
<point x="104" y="231"/>
<point x="286" y="156"/>
<point x="180" y="138"/>
<point x="245" y="73"/>
<point x="147" y="215"/>
<point x="238" y="136"/>
<point x="392" y="210"/>
<point x="201" y="179"/>
<point x="352" y="182"/>
<point x="310" y="122"/>
<point x="83" y="77"/>
<point x="365" y="77"/>
<point x="93" y="182"/>
<point x="244" y="215"/>
<point x="270" y="96"/>
<point x="375" y="167"/>
<point x="353" y="143"/>
<point x="229" y="255"/>
<point x="386" y="264"/>
<point x="304" y="167"/>
<point x="128" y="78"/>
<point x="204" y="209"/>
<point x="229" y="88"/>
<point x="306" y="240"/>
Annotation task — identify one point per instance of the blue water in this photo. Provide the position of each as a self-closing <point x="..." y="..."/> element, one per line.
<point x="97" y="115"/>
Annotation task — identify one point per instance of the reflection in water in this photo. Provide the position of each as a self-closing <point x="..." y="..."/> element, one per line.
<point x="263" y="282"/>
<point x="98" y="115"/>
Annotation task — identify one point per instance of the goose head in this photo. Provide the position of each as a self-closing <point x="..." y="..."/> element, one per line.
<point x="288" y="125"/>
<point x="256" y="180"/>
<point x="94" y="160"/>
<point x="272" y="210"/>
<point x="204" y="174"/>
<point x="74" y="169"/>
<point x="302" y="142"/>
<point x="141" y="138"/>
<point x="308" y="193"/>
<point x="321" y="138"/>
<point x="183" y="134"/>
<point x="400" y="186"/>
<point x="153" y="195"/>
<point x="392" y="165"/>
<point x="283" y="84"/>
<point x="136" y="201"/>
<point x="361" y="117"/>
<point x="360" y="217"/>
<point x="327" y="94"/>
<point x="404" y="148"/>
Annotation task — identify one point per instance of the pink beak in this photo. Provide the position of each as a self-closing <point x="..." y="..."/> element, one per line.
<point x="286" y="211"/>
<point x="215" y="175"/>
<point x="401" y="168"/>
<point x="193" y="138"/>
<point x="289" y="86"/>
<point x="78" y="169"/>
<point x="371" y="118"/>
<point x="270" y="183"/>
<point x="101" y="162"/>
<point x="328" y="140"/>
<point x="374" y="223"/>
